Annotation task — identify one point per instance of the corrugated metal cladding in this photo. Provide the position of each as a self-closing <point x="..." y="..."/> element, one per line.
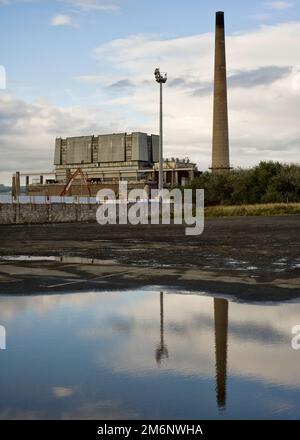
<point x="57" y="152"/>
<point x="155" y="147"/>
<point x="111" y="148"/>
<point x="140" y="147"/>
<point x="79" y="149"/>
<point x="106" y="148"/>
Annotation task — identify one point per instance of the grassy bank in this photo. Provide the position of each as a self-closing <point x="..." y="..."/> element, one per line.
<point x="267" y="209"/>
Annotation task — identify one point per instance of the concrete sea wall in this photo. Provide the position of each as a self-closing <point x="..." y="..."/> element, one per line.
<point x="18" y="214"/>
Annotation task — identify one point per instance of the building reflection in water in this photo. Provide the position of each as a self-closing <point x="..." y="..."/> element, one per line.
<point x="221" y="331"/>
<point x="162" y="349"/>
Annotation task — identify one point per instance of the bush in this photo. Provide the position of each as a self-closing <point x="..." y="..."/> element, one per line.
<point x="268" y="182"/>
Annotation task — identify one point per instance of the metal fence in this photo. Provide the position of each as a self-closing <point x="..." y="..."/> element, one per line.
<point x="41" y="200"/>
<point x="80" y="200"/>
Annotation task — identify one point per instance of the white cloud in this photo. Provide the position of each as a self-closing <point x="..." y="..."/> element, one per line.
<point x="9" y="2"/>
<point x="62" y="392"/>
<point x="2" y="78"/>
<point x="62" y="20"/>
<point x="280" y="5"/>
<point x="28" y="131"/>
<point x="100" y="5"/>
<point x="263" y="101"/>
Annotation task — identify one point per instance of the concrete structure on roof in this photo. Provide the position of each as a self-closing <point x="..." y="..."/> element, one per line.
<point x="220" y="146"/>
<point x="107" y="159"/>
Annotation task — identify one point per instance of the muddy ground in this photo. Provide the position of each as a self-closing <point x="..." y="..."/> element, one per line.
<point x="251" y="258"/>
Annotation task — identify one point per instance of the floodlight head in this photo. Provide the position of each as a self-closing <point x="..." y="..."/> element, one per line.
<point x="159" y="77"/>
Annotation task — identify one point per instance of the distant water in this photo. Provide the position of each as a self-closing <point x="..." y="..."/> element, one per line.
<point x="147" y="354"/>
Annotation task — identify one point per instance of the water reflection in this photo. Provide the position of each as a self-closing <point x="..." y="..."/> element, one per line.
<point x="143" y="354"/>
<point x="162" y="350"/>
<point x="221" y="331"/>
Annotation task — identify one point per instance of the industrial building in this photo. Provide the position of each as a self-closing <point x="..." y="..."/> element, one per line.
<point x="85" y="164"/>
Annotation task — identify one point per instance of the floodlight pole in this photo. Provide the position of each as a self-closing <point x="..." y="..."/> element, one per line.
<point x="161" y="160"/>
<point x="161" y="79"/>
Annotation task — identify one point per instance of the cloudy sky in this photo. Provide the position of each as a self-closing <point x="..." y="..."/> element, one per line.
<point x="86" y="67"/>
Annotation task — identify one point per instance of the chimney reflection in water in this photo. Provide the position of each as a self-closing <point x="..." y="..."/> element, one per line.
<point x="221" y="331"/>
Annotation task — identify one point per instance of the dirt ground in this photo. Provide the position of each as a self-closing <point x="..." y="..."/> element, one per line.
<point x="250" y="258"/>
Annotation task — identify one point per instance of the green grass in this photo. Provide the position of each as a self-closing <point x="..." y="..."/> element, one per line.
<point x="253" y="210"/>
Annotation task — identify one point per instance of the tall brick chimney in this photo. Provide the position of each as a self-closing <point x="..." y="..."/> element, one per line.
<point x="220" y="147"/>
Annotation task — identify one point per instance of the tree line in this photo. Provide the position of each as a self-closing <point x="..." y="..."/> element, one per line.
<point x="268" y="182"/>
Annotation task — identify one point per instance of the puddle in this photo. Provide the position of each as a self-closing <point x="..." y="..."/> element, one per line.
<point x="146" y="354"/>
<point x="63" y="259"/>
